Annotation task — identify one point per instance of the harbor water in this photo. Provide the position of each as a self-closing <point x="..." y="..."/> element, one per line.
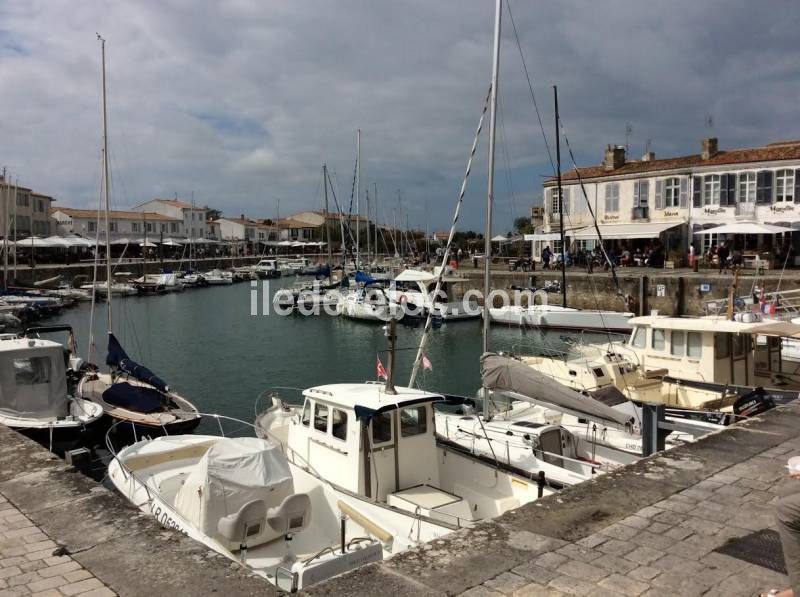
<point x="206" y="344"/>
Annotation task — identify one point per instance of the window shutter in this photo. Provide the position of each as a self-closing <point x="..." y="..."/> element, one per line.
<point x="797" y="186"/>
<point x="764" y="187"/>
<point x="565" y="203"/>
<point x="659" y="194"/>
<point x="723" y="190"/>
<point x="731" y="189"/>
<point x="684" y="199"/>
<point x="697" y="191"/>
<point x="635" y="194"/>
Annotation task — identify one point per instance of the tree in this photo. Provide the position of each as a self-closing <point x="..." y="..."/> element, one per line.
<point x="212" y="214"/>
<point x="522" y="225"/>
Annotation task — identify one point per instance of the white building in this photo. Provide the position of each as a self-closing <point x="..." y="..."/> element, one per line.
<point x="130" y="224"/>
<point x="670" y="201"/>
<point x="241" y="229"/>
<point x="193" y="218"/>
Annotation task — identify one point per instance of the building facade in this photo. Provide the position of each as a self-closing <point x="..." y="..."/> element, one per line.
<point x="122" y="224"/>
<point x="24" y="212"/>
<point x="671" y="201"/>
<point x="193" y="218"/>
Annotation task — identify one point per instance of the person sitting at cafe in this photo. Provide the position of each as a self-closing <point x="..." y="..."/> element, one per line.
<point x="625" y="258"/>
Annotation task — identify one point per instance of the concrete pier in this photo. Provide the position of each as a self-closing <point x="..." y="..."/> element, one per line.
<point x="652" y="528"/>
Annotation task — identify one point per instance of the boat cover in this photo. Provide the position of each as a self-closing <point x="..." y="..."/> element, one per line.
<point x="33" y="380"/>
<point x="139" y="399"/>
<point x="233" y="472"/>
<point x="503" y="373"/>
<point x="365" y="279"/>
<point x="117" y="357"/>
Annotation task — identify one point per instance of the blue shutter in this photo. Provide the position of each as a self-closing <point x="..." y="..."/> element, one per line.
<point x="697" y="191"/>
<point x="764" y="180"/>
<point x="797" y="186"/>
<point x="684" y="192"/>
<point x="659" y="194"/>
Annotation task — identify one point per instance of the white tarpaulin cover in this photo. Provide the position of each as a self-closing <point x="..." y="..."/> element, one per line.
<point x="233" y="472"/>
<point x="745" y="228"/>
<point x="624" y="231"/>
<point x="33" y="380"/>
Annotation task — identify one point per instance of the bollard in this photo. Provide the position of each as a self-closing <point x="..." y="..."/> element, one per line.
<point x="653" y="437"/>
<point x="541" y="483"/>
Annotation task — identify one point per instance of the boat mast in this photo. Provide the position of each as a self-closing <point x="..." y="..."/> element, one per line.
<point x="105" y="185"/>
<point x="369" y="235"/>
<point x="358" y="199"/>
<point x="6" y="195"/>
<point x="14" y="222"/>
<point x="560" y="205"/>
<point x="375" y="199"/>
<point x="487" y="241"/>
<point x="325" y="217"/>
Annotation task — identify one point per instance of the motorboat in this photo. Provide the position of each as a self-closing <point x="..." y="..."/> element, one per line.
<point x="561" y="318"/>
<point x="136" y="397"/>
<point x="120" y="286"/>
<point x="310" y="297"/>
<point x="217" y="277"/>
<point x="35" y="396"/>
<point x="267" y="268"/>
<point x="240" y="497"/>
<point x="293" y="267"/>
<point x="369" y="304"/>
<point x="413" y="289"/>
<point x="159" y="283"/>
<point x="381" y="448"/>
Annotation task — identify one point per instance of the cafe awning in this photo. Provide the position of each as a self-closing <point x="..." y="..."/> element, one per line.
<point x="745" y="228"/>
<point x="625" y="231"/>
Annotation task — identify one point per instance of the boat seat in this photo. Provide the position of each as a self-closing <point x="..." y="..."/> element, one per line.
<point x="247" y="521"/>
<point x="292" y="516"/>
<point x="144" y="461"/>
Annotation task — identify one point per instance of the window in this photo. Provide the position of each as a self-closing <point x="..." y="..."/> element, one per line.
<point x="339" y="424"/>
<point x="555" y="203"/>
<point x="695" y="345"/>
<point x="92" y="226"/>
<point x="722" y="346"/>
<point x="32" y="371"/>
<point x="321" y="417"/>
<point x="747" y="187"/>
<point x="413" y="421"/>
<point x="149" y="226"/>
<point x="382" y="428"/>
<point x="23" y="223"/>
<point x="23" y="200"/>
<point x="163" y="227"/>
<point x="641" y="193"/>
<point x="112" y="226"/>
<point x="306" y="418"/>
<point x="764" y="187"/>
<point x="677" y="345"/>
<point x="672" y="192"/>
<point x="639" y="336"/>
<point x="173" y="227"/>
<point x="612" y="197"/>
<point x="135" y="227"/>
<point x="39" y="205"/>
<point x="711" y="190"/>
<point x="657" y="342"/>
<point x="784" y="185"/>
<point x="738" y="345"/>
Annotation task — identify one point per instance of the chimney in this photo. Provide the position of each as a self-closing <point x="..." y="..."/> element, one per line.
<point x="649" y="156"/>
<point x="709" y="148"/>
<point x="614" y="157"/>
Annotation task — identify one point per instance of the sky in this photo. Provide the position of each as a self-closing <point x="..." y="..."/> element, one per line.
<point x="238" y="103"/>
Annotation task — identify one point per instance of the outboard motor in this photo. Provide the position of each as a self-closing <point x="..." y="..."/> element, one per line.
<point x="753" y="403"/>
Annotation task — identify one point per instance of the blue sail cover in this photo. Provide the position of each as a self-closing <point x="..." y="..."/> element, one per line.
<point x="365" y="279"/>
<point x="117" y="357"/>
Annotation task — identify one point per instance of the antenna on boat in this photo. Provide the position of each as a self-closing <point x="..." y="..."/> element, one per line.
<point x="390" y="331"/>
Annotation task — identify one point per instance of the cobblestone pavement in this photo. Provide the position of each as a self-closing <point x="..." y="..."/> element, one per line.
<point x="28" y="566"/>
<point x="667" y="548"/>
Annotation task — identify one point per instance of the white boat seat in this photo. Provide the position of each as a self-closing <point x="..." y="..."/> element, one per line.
<point x="292" y="516"/>
<point x="246" y="522"/>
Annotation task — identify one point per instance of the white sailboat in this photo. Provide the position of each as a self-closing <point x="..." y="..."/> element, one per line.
<point x="369" y="304"/>
<point x="561" y="318"/>
<point x="414" y="290"/>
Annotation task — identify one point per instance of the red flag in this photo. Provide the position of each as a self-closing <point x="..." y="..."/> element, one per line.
<point x="426" y="364"/>
<point x="380" y="370"/>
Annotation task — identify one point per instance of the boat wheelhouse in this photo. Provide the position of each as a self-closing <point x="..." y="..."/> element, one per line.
<point x="382" y="446"/>
<point x="413" y="289"/>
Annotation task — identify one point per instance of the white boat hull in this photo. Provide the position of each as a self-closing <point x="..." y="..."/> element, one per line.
<point x="550" y="316"/>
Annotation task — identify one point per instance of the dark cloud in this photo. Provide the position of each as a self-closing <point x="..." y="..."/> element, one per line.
<point x="242" y="101"/>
